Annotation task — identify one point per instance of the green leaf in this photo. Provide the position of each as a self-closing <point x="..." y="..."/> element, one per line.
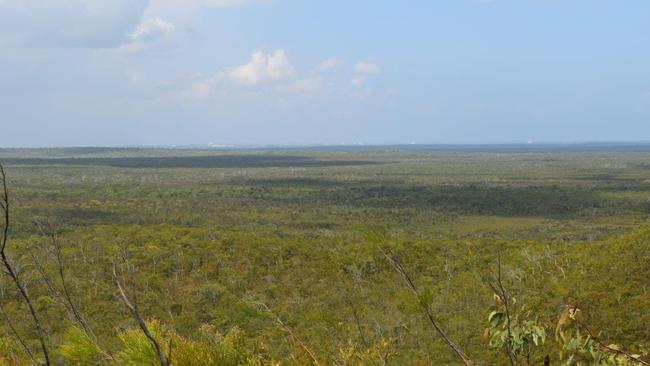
<point x="496" y="318"/>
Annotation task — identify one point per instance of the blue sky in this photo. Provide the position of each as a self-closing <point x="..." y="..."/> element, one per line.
<point x="236" y="72"/>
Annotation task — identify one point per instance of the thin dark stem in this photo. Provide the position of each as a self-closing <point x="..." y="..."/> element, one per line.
<point x="357" y="320"/>
<point x="18" y="337"/>
<point x="12" y="273"/>
<point x="427" y="310"/>
<point x="607" y="348"/>
<point x="60" y="298"/>
<point x="66" y="291"/>
<point x="5" y="208"/>
<point x="504" y="298"/>
<point x="293" y="336"/>
<point x="48" y="281"/>
<point x="169" y="354"/>
<point x="133" y="307"/>
<point x="64" y="298"/>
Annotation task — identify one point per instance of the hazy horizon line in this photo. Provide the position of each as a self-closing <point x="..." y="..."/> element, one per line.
<point x="342" y="144"/>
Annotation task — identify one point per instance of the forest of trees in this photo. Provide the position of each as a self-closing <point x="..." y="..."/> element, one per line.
<point x="384" y="258"/>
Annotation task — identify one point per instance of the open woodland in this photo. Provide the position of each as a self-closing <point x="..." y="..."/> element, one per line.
<point x="302" y="256"/>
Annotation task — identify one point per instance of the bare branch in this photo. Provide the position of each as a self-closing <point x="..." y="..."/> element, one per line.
<point x="293" y="336"/>
<point x="5" y="208"/>
<point x="18" y="337"/>
<point x="427" y="310"/>
<point x="47" y="279"/>
<point x="71" y="307"/>
<point x="12" y="273"/>
<point x="357" y="320"/>
<point x="133" y="307"/>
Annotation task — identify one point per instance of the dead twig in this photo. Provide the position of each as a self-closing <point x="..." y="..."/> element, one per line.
<point x="66" y="295"/>
<point x="293" y="336"/>
<point x="427" y="309"/>
<point x="132" y="305"/>
<point x="18" y="337"/>
<point x="9" y="269"/>
<point x="357" y="319"/>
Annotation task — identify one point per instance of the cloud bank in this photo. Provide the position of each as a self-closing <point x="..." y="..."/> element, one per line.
<point x="69" y="23"/>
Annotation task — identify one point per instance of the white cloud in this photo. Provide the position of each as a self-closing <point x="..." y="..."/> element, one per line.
<point x="272" y="73"/>
<point x="148" y="35"/>
<point x="184" y="9"/>
<point x="152" y="30"/>
<point x="193" y="4"/>
<point x="224" y="3"/>
<point x="263" y="67"/>
<point x="365" y="67"/>
<point x="70" y="23"/>
<point x="362" y="70"/>
<point x="99" y="24"/>
<point x="329" y="64"/>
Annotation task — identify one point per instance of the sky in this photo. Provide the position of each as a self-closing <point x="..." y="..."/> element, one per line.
<point x="292" y="72"/>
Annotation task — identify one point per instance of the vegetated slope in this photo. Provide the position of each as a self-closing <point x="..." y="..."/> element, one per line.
<point x="209" y="245"/>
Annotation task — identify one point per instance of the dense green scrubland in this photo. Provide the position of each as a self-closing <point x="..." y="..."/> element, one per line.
<point x="264" y="257"/>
